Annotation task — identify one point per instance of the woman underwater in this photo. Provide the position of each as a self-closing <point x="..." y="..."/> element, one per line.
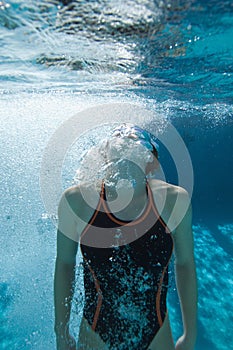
<point x="127" y="224"/>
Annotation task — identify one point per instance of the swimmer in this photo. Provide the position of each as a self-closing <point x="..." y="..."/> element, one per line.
<point x="126" y="250"/>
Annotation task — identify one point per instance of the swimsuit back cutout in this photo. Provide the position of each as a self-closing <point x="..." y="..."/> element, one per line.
<point x="126" y="282"/>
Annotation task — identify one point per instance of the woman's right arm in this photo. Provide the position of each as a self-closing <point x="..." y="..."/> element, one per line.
<point x="186" y="279"/>
<point x="64" y="274"/>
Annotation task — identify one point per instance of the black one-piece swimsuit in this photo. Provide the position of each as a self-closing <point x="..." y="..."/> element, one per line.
<point x="126" y="282"/>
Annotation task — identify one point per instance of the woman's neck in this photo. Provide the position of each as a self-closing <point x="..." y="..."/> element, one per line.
<point x="131" y="201"/>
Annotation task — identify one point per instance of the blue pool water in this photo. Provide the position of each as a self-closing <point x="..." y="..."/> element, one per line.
<point x="173" y="58"/>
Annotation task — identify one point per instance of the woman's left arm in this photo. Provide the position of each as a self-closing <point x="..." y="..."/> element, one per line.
<point x="186" y="279"/>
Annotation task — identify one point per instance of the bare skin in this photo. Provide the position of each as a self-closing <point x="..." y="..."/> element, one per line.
<point x="172" y="202"/>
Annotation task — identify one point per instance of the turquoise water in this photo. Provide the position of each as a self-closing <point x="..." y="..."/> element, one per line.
<point x="173" y="58"/>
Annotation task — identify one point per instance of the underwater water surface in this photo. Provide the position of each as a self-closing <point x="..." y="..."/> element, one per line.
<point x="173" y="58"/>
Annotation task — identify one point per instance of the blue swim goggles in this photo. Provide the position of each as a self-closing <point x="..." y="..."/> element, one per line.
<point x="139" y="135"/>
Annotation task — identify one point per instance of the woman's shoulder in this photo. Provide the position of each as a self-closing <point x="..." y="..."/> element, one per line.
<point x="82" y="198"/>
<point x="73" y="194"/>
<point x="81" y="191"/>
<point x="172" y="190"/>
<point x="173" y="200"/>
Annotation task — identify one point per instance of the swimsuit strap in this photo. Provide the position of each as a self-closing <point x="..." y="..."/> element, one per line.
<point x="126" y="222"/>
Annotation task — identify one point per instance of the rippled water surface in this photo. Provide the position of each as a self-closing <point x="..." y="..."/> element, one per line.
<point x="56" y="59"/>
<point x="179" y="47"/>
